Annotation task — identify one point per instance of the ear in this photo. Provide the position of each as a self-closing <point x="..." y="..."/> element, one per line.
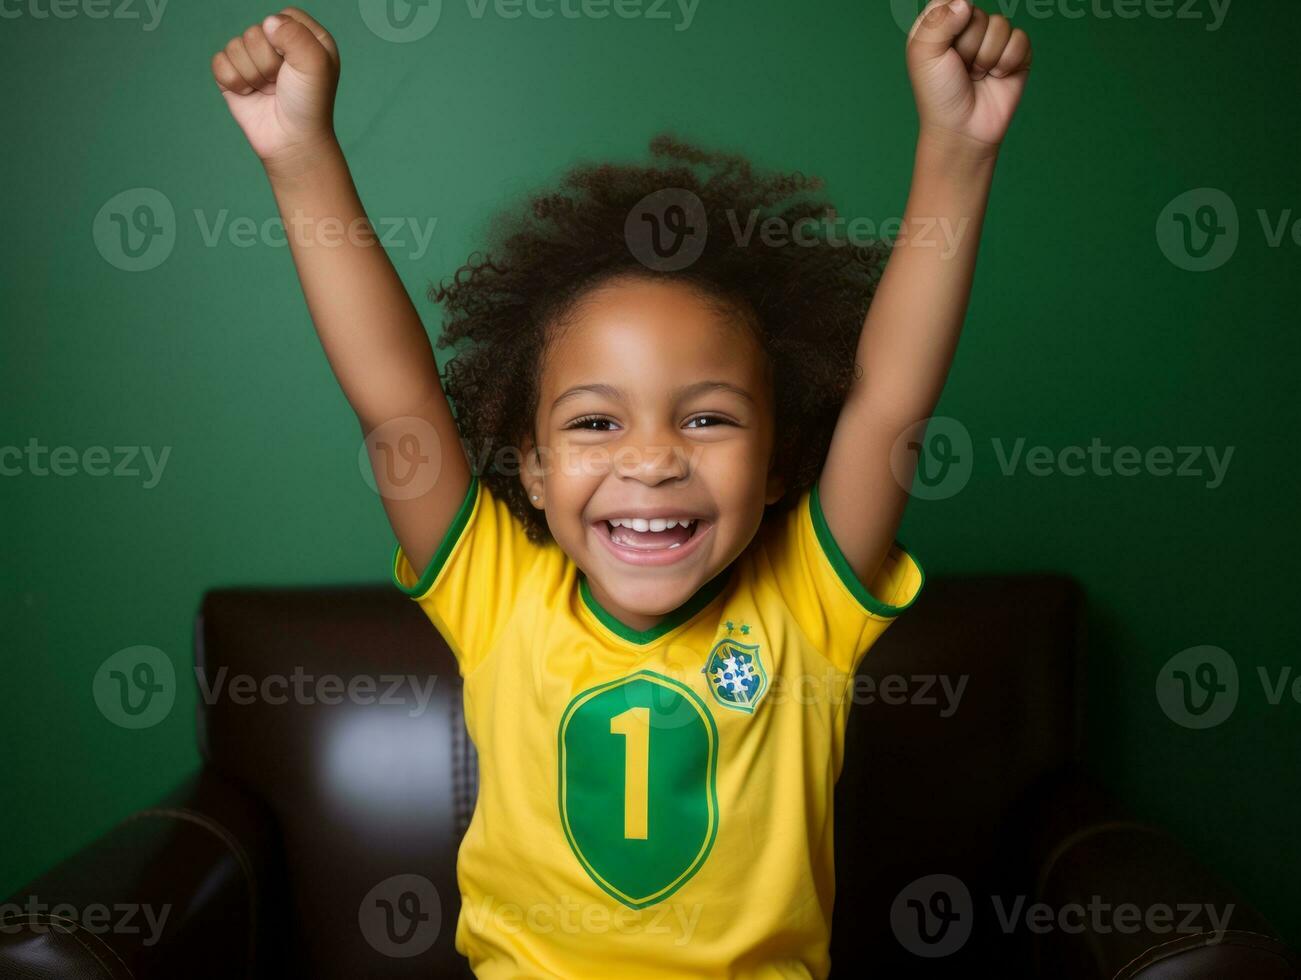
<point x="530" y="472"/>
<point x="776" y="486"/>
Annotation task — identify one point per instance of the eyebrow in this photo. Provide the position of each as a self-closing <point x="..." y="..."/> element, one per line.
<point x="686" y="391"/>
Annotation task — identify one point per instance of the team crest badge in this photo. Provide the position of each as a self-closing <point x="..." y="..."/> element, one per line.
<point x="737" y="676"/>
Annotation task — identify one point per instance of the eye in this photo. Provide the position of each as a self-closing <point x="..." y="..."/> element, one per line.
<point x="592" y="423"/>
<point x="707" y="421"/>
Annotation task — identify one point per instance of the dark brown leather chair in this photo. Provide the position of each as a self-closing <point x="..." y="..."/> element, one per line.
<point x="319" y="839"/>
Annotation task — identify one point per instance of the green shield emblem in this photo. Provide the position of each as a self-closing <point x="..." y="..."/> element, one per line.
<point x="638" y="760"/>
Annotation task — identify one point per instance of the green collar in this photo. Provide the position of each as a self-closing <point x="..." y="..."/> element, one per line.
<point x="703" y="596"/>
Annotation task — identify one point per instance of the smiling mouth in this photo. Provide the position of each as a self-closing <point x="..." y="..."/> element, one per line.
<point x="650" y="534"/>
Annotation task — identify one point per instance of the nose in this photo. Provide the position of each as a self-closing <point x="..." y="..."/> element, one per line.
<point x="653" y="458"/>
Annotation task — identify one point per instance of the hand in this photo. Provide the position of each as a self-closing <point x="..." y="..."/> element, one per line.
<point x="968" y="70"/>
<point x="279" y="79"/>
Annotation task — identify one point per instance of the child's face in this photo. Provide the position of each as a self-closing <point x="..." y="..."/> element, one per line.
<point x="653" y="406"/>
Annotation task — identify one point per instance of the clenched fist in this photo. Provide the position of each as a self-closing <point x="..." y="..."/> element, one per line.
<point x="968" y="70"/>
<point x="279" y="79"/>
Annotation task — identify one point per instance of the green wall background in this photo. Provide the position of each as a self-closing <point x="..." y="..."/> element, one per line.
<point x="1079" y="328"/>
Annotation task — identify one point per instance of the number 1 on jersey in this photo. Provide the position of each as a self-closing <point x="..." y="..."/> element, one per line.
<point x="640" y="824"/>
<point x="634" y="726"/>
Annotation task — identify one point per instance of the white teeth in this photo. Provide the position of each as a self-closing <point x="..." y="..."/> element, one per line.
<point x="652" y="524"/>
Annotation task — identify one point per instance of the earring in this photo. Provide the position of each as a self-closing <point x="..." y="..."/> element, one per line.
<point x="533" y="497"/>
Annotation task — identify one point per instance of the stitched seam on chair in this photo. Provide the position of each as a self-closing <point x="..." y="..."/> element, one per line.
<point x="237" y="849"/>
<point x="463" y="767"/>
<point x="1183" y="939"/>
<point x="1072" y="840"/>
<point x="458" y="789"/>
<point x="472" y="776"/>
<point x="73" y="926"/>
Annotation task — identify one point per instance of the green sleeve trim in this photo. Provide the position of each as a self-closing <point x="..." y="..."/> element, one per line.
<point x="450" y="538"/>
<point x="846" y="572"/>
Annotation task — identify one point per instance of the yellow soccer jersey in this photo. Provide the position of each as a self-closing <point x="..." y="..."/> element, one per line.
<point x="653" y="803"/>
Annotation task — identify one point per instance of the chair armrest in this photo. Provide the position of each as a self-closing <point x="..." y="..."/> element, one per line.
<point x="181" y="889"/>
<point x="1140" y="906"/>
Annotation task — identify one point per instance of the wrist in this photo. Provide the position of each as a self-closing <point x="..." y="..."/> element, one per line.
<point x="951" y="150"/>
<point x="303" y="160"/>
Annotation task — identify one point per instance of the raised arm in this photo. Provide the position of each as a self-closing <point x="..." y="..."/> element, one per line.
<point x="968" y="71"/>
<point x="279" y="79"/>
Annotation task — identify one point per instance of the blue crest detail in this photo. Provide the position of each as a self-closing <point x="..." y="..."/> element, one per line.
<point x="737" y="676"/>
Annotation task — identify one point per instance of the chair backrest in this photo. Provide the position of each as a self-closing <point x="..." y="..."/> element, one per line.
<point x="969" y="704"/>
<point x="341" y="708"/>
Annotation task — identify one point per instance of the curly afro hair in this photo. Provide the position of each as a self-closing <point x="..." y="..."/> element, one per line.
<point x="805" y="298"/>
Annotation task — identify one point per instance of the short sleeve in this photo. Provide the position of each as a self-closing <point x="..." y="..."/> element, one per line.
<point x="471" y="584"/>
<point x="839" y="615"/>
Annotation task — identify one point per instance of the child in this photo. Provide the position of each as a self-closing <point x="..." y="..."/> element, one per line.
<point x="660" y="588"/>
